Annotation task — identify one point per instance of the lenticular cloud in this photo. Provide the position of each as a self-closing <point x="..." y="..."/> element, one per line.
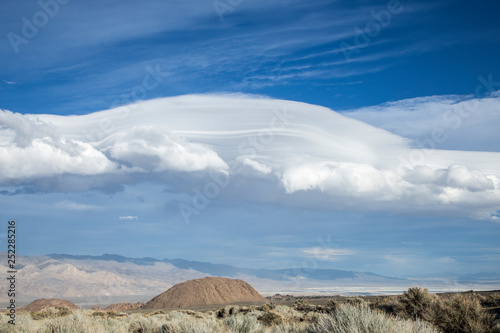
<point x="295" y="149"/>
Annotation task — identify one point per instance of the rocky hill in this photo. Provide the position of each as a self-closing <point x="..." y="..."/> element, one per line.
<point x="41" y="304"/>
<point x="124" y="306"/>
<point x="206" y="291"/>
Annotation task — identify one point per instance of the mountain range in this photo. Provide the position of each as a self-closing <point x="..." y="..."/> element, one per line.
<point x="102" y="280"/>
<point x="227" y="270"/>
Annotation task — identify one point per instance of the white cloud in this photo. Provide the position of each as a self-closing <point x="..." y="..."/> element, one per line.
<point x="128" y="218"/>
<point x="327" y="254"/>
<point x="411" y="189"/>
<point x="69" y="205"/>
<point x="154" y="149"/>
<point x="300" y="154"/>
<point x="257" y="166"/>
<point x="445" y="122"/>
<point x="31" y="148"/>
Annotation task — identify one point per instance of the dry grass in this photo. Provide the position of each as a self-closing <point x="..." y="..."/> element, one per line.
<point x="414" y="311"/>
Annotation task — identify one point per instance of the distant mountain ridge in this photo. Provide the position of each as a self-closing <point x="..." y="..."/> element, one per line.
<point x="102" y="280"/>
<point x="231" y="271"/>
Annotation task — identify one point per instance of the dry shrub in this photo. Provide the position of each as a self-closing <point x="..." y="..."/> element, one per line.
<point x="416" y="303"/>
<point x="158" y="312"/>
<point x="167" y="328"/>
<point x="267" y="307"/>
<point x="292" y="328"/>
<point x="491" y="301"/>
<point x="52" y="312"/>
<point x="198" y="326"/>
<point x="222" y="313"/>
<point x="114" y="314"/>
<point x="227" y="311"/>
<point x="332" y="305"/>
<point x="23" y="324"/>
<point x="288" y="313"/>
<point x="361" y="319"/>
<point x="455" y="313"/>
<point x="462" y="313"/>
<point x="234" y="310"/>
<point x="389" y="305"/>
<point x="271" y="319"/>
<point x="303" y="306"/>
<point x="108" y="314"/>
<point x="243" y="324"/>
<point x="245" y="310"/>
<point x="197" y="314"/>
<point x="182" y="322"/>
<point x="175" y="316"/>
<point x="312" y="317"/>
<point x="356" y="301"/>
<point x="145" y="325"/>
<point x="79" y="322"/>
<point x="321" y="309"/>
<point x="496" y="327"/>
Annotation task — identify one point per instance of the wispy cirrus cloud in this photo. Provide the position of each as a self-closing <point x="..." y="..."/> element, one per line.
<point x="212" y="54"/>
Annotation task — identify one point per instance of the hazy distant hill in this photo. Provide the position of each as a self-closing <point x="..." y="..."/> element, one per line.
<point x="106" y="279"/>
<point x="230" y="271"/>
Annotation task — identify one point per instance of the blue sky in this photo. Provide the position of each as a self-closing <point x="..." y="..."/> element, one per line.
<point x="394" y="65"/>
<point x="88" y="55"/>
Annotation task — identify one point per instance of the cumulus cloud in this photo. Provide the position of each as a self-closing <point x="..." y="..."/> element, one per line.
<point x="411" y="189"/>
<point x="31" y="148"/>
<point x="298" y="152"/>
<point x="152" y="149"/>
